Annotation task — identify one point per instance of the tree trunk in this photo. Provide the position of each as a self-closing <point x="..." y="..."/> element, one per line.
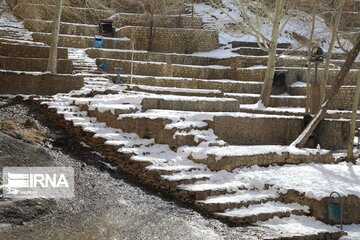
<point x="52" y="62"/>
<point x="269" y="76"/>
<point x="304" y="136"/>
<point x="334" y="29"/>
<point x="308" y="88"/>
<point x="151" y="33"/>
<point x="350" y="151"/>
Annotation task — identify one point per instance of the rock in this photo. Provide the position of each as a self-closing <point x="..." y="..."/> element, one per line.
<point x="31" y="124"/>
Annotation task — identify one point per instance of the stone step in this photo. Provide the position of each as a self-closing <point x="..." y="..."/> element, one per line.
<point x="73" y="41"/>
<point x="275" y="100"/>
<point x="262" y="212"/>
<point x="239" y="199"/>
<point x="176" y="91"/>
<point x="300" y="228"/>
<point x="224" y="85"/>
<point x="165" y="127"/>
<point x="231" y="157"/>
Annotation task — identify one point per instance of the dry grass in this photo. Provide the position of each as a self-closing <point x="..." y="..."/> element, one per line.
<point x="27" y="134"/>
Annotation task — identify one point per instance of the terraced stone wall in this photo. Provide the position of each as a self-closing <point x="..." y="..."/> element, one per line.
<point x="34" y="64"/>
<point x="123" y="19"/>
<point x="319" y="209"/>
<point x="172" y="40"/>
<point x="185" y="71"/>
<point x="42" y="84"/>
<point x="81" y="42"/>
<point x="29" y="51"/>
<point x="155" y="57"/>
<point x="277" y="130"/>
<point x="74" y="15"/>
<point x="70" y="29"/>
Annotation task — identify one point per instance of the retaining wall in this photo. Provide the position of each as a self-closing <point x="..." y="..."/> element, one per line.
<point x="81" y="42"/>
<point x="278" y="130"/>
<point x="29" y="51"/>
<point x="40" y="84"/>
<point x="172" y="40"/>
<point x="34" y="64"/>
<point x="124" y="19"/>
<point x="65" y="28"/>
<point x="69" y="14"/>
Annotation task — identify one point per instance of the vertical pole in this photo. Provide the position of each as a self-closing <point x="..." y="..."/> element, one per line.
<point x="132" y="62"/>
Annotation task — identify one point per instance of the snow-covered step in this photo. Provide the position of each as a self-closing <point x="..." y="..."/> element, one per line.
<point x="176" y="91"/>
<point x="262" y="212"/>
<point x="302" y="228"/>
<point x="233" y="156"/>
<point x="242" y="198"/>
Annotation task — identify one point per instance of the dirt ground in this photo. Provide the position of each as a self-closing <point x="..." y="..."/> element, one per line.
<point x="108" y="204"/>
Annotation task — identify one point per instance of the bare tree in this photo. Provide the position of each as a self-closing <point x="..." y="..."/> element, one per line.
<point x="52" y="62"/>
<point x="334" y="26"/>
<point x="319" y="116"/>
<point x="255" y="17"/>
<point x="350" y="151"/>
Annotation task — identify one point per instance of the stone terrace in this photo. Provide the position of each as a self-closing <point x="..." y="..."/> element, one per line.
<point x="182" y="122"/>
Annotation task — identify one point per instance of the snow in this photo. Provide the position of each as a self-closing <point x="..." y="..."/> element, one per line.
<point x="12" y="26"/>
<point x="264" y="208"/>
<point x="220" y="152"/>
<point x="223" y="52"/>
<point x="353" y="232"/>
<point x="219" y="19"/>
<point x="342" y="178"/>
<point x="241" y="196"/>
<point x="297" y="226"/>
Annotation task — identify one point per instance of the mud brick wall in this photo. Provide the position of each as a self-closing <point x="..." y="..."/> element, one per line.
<point x="81" y="42"/>
<point x="65" y="28"/>
<point x="123" y="19"/>
<point x="34" y="64"/>
<point x="43" y="84"/>
<point x="74" y="15"/>
<point x="29" y="51"/>
<point x="172" y="40"/>
<point x="279" y="131"/>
